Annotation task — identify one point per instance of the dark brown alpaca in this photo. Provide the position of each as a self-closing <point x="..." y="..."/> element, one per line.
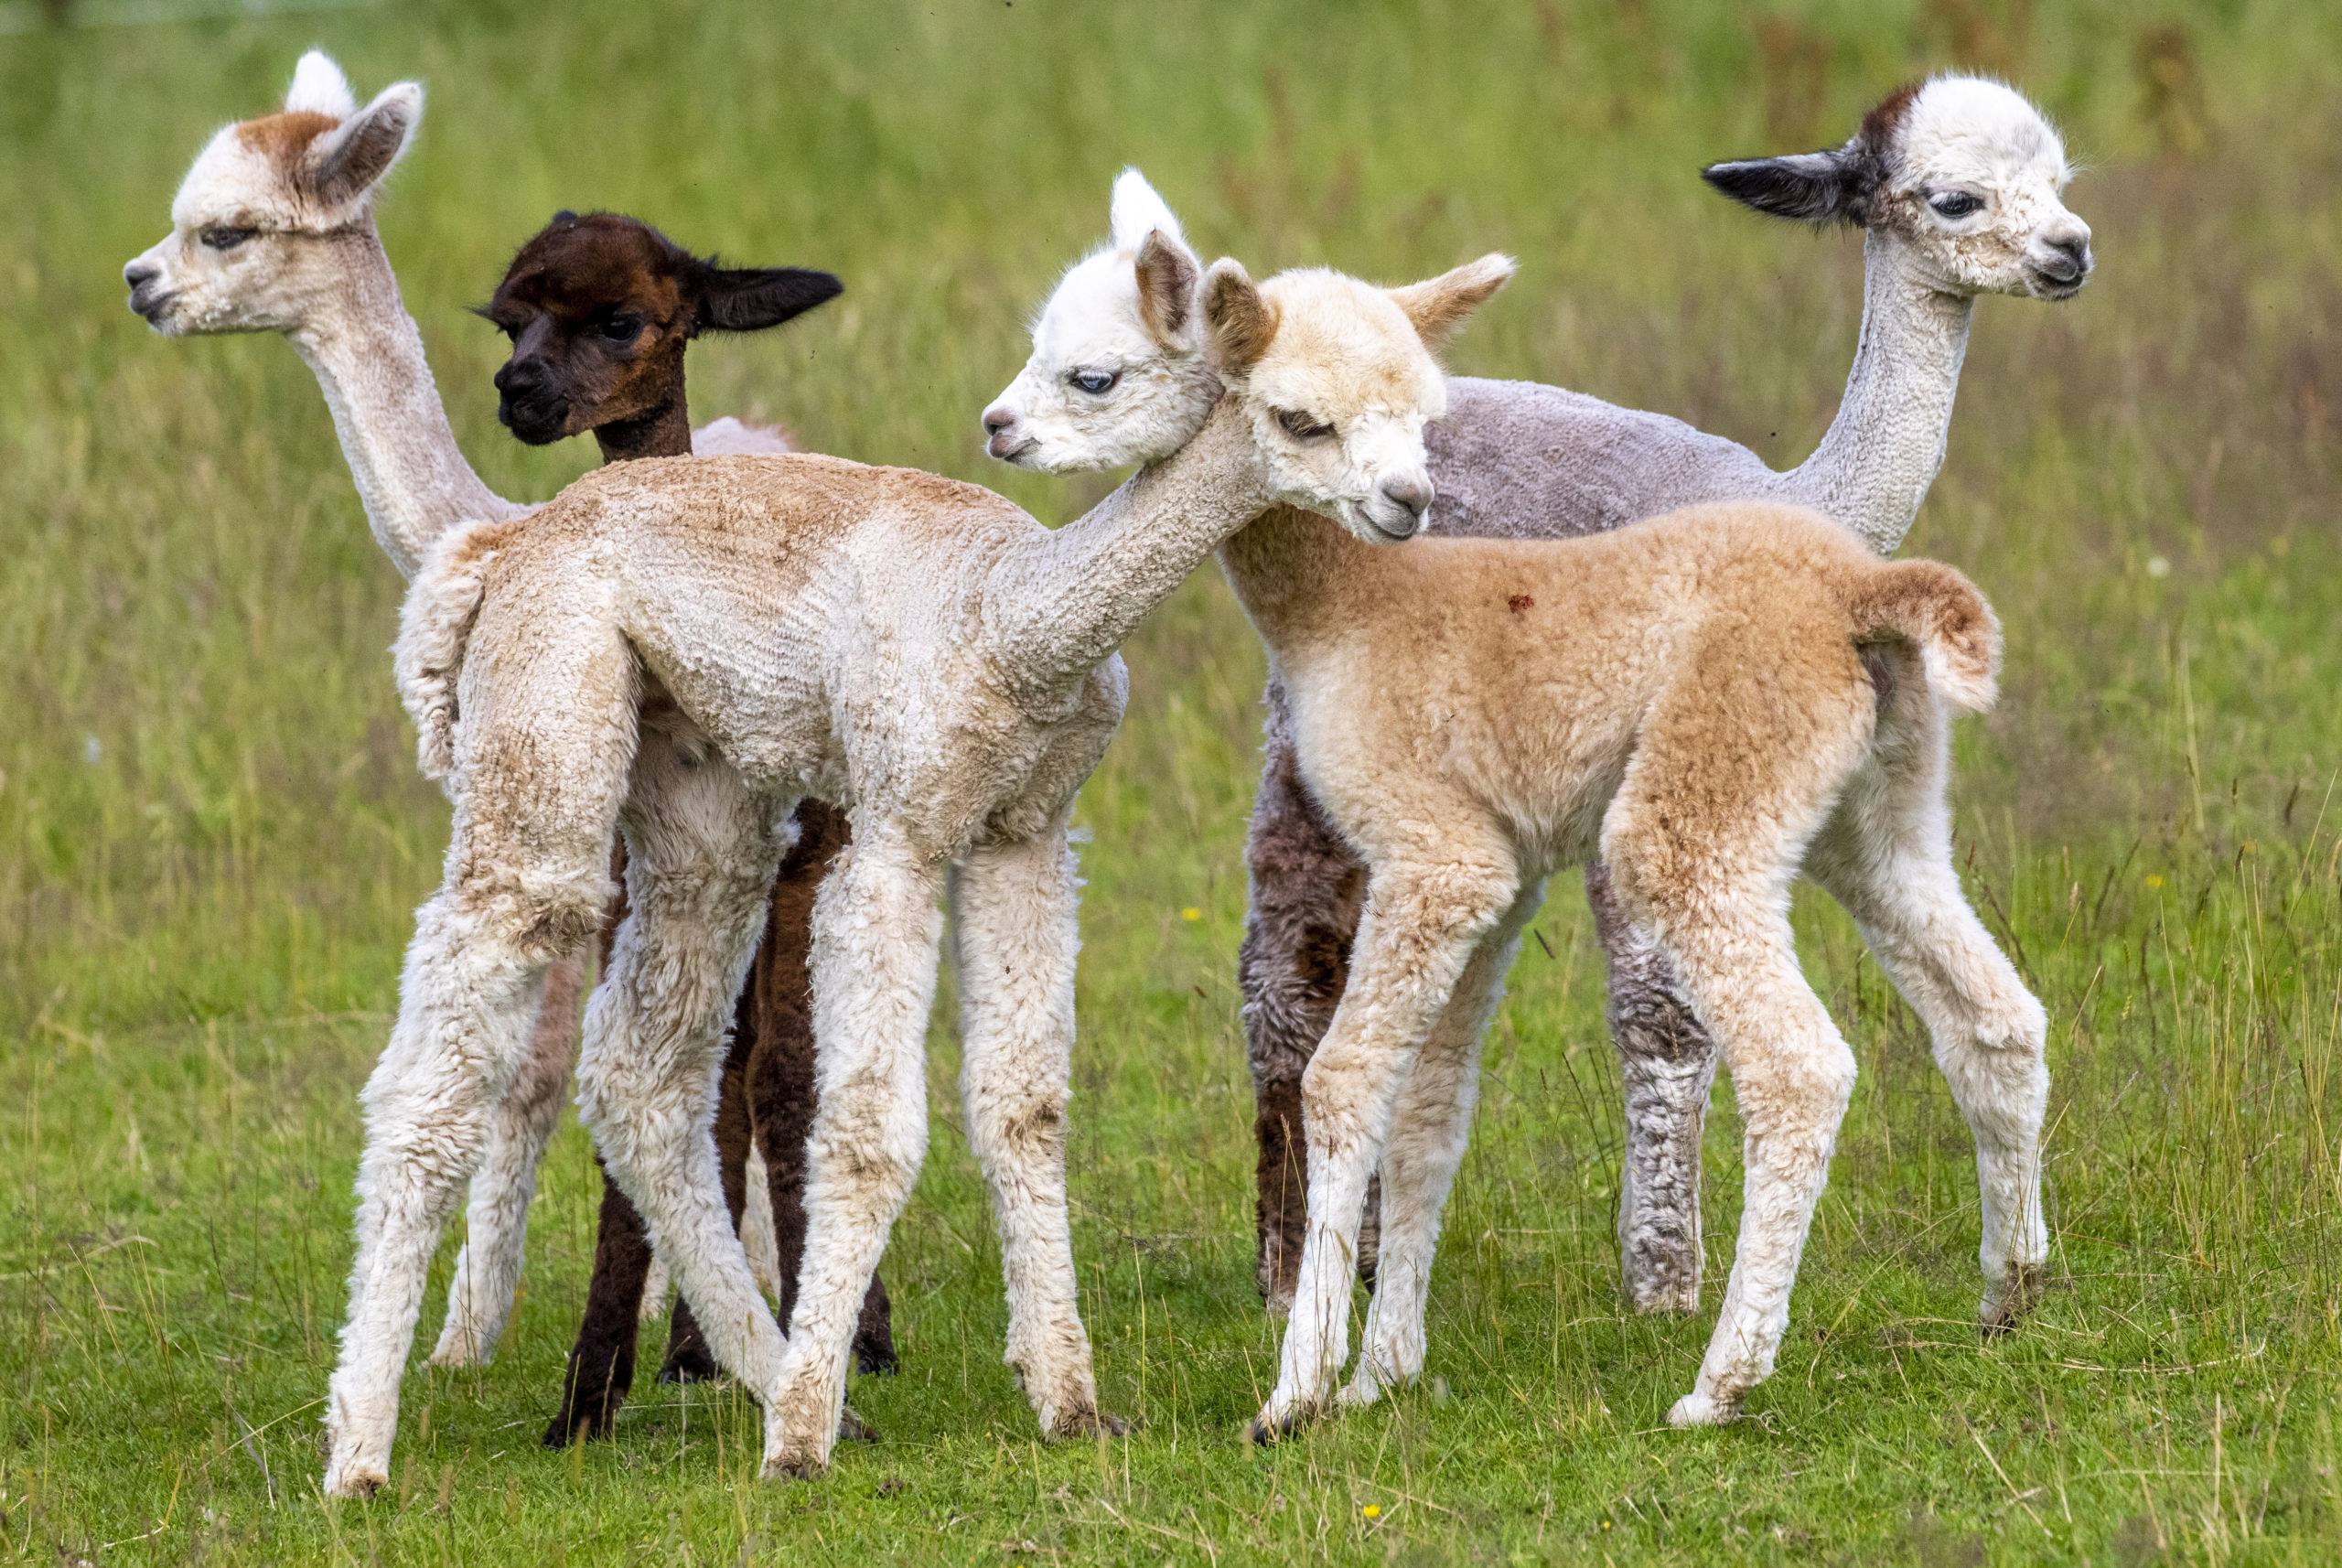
<point x="599" y="309"/>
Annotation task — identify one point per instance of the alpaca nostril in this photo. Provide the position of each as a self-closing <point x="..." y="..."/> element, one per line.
<point x="137" y="275"/>
<point x="1409" y="493"/>
<point x="997" y="418"/>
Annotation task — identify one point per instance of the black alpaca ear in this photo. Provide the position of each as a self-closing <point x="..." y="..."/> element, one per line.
<point x="749" y="299"/>
<point x="1814" y="188"/>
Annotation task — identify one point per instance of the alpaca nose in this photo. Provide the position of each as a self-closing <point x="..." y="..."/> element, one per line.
<point x="1411" y="493"/>
<point x="1000" y="430"/>
<point x="140" y="272"/>
<point x="2067" y="246"/>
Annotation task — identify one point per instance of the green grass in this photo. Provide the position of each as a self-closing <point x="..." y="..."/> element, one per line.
<point x="211" y="833"/>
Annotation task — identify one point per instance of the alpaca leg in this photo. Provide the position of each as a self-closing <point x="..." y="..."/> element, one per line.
<point x="600" y="1370"/>
<point x="1669" y="1064"/>
<point x="876" y="930"/>
<point x="757" y="1224"/>
<point x="1886" y="857"/>
<point x="1430" y="1122"/>
<point x="1423" y="921"/>
<point x="496" y="1218"/>
<point x="1307" y="886"/>
<point x="473" y="981"/>
<point x="1016" y="906"/>
<point x="702" y="850"/>
<point x="688" y="1358"/>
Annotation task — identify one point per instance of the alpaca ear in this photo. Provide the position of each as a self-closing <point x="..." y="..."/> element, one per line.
<point x="749" y="299"/>
<point x="1814" y="188"/>
<point x="347" y="162"/>
<point x="1167" y="288"/>
<point x="319" y="88"/>
<point x="1138" y="211"/>
<point x="1242" y="323"/>
<point x="1437" y="306"/>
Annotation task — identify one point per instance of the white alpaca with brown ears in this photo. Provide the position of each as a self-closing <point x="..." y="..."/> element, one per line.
<point x="1712" y="701"/>
<point x="272" y="231"/>
<point x="681" y="649"/>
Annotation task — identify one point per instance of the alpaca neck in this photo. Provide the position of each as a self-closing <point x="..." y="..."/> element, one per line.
<point x="1884" y="449"/>
<point x="1069" y="598"/>
<point x="1283" y="568"/>
<point x="368" y="358"/>
<point x="665" y="432"/>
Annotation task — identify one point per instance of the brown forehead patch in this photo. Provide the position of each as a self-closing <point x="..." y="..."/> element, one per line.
<point x="578" y="265"/>
<point x="1881" y="124"/>
<point x="282" y="138"/>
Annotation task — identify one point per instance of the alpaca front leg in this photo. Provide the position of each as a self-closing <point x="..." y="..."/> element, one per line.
<point x="876" y="929"/>
<point x="1430" y="1127"/>
<point x="1419" y="931"/>
<point x="496" y="1218"/>
<point x="469" y="995"/>
<point x="1017" y="911"/>
<point x="1668" y="1065"/>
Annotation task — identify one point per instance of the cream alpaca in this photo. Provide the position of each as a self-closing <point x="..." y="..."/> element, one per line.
<point x="272" y="231"/>
<point x="916" y="650"/>
<point x="1711" y="700"/>
<point x="1956" y="183"/>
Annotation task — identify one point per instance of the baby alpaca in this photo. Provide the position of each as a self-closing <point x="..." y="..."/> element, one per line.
<point x="1713" y="701"/>
<point x="680" y="650"/>
<point x="1955" y="186"/>
<point x="601" y="310"/>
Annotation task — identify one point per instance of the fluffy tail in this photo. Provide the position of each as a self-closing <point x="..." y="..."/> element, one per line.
<point x="434" y="625"/>
<point x="1944" y="615"/>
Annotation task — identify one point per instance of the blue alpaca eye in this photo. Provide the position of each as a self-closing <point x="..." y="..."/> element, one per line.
<point x="1957" y="204"/>
<point x="1094" y="382"/>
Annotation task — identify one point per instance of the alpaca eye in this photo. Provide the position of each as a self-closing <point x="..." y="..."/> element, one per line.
<point x="1303" y="427"/>
<point x="622" y="328"/>
<point x="1956" y="204"/>
<point x="219" y="237"/>
<point x="1097" y="383"/>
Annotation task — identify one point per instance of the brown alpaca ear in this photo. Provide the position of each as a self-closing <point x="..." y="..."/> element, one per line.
<point x="749" y="299"/>
<point x="1167" y="289"/>
<point x="1437" y="306"/>
<point x="352" y="158"/>
<point x="1242" y="323"/>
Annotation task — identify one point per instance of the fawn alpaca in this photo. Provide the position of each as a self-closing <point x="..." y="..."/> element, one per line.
<point x="680" y="650"/>
<point x="599" y="311"/>
<point x="1711" y="701"/>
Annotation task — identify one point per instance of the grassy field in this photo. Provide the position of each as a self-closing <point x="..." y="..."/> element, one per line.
<point x="213" y="834"/>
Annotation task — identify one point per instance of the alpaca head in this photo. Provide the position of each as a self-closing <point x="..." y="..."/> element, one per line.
<point x="1965" y="172"/>
<point x="1120" y="371"/>
<point x="243" y="254"/>
<point x="1336" y="376"/>
<point x="598" y="309"/>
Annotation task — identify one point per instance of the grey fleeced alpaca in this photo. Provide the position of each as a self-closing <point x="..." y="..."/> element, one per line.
<point x="1957" y="185"/>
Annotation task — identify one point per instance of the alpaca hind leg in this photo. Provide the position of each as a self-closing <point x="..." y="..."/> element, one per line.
<point x="1422" y="925"/>
<point x="877" y="931"/>
<point x="599" y="1372"/>
<point x="688" y="1357"/>
<point x="701" y="852"/>
<point x="1886" y="857"/>
<point x="495" y="1217"/>
<point x="1430" y="1125"/>
<point x="1667" y="1063"/>
<point x="1015" y="907"/>
<point x="1306" y="887"/>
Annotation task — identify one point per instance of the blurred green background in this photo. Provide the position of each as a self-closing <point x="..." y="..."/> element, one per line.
<point x="213" y="834"/>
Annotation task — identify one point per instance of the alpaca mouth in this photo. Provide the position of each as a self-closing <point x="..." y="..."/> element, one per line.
<point x="1377" y="531"/>
<point x="1015" y="454"/>
<point x="151" y="308"/>
<point x="538" y="423"/>
<point x="2058" y="283"/>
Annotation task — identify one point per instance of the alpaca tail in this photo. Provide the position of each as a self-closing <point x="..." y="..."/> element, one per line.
<point x="1944" y="615"/>
<point x="433" y="627"/>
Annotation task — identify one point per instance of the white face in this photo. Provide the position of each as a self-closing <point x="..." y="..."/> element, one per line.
<point x="1101" y="391"/>
<point x="248" y="248"/>
<point x="1977" y="186"/>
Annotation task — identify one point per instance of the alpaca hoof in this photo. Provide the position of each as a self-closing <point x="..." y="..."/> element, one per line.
<point x="2006" y="1304"/>
<point x="795" y="1464"/>
<point x="851" y="1428"/>
<point x="453" y="1357"/>
<point x="875" y="1360"/>
<point x="1699" y="1409"/>
<point x="700" y="1368"/>
<point x="1268" y="1429"/>
<point x="1092" y="1423"/>
<point x="578" y="1425"/>
<point x="359" y="1481"/>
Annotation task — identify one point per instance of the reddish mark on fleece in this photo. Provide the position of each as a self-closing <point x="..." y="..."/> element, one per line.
<point x="1519" y="602"/>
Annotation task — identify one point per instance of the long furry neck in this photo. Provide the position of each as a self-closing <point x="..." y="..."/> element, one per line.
<point x="368" y="358"/>
<point x="1067" y="600"/>
<point x="1884" y="447"/>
